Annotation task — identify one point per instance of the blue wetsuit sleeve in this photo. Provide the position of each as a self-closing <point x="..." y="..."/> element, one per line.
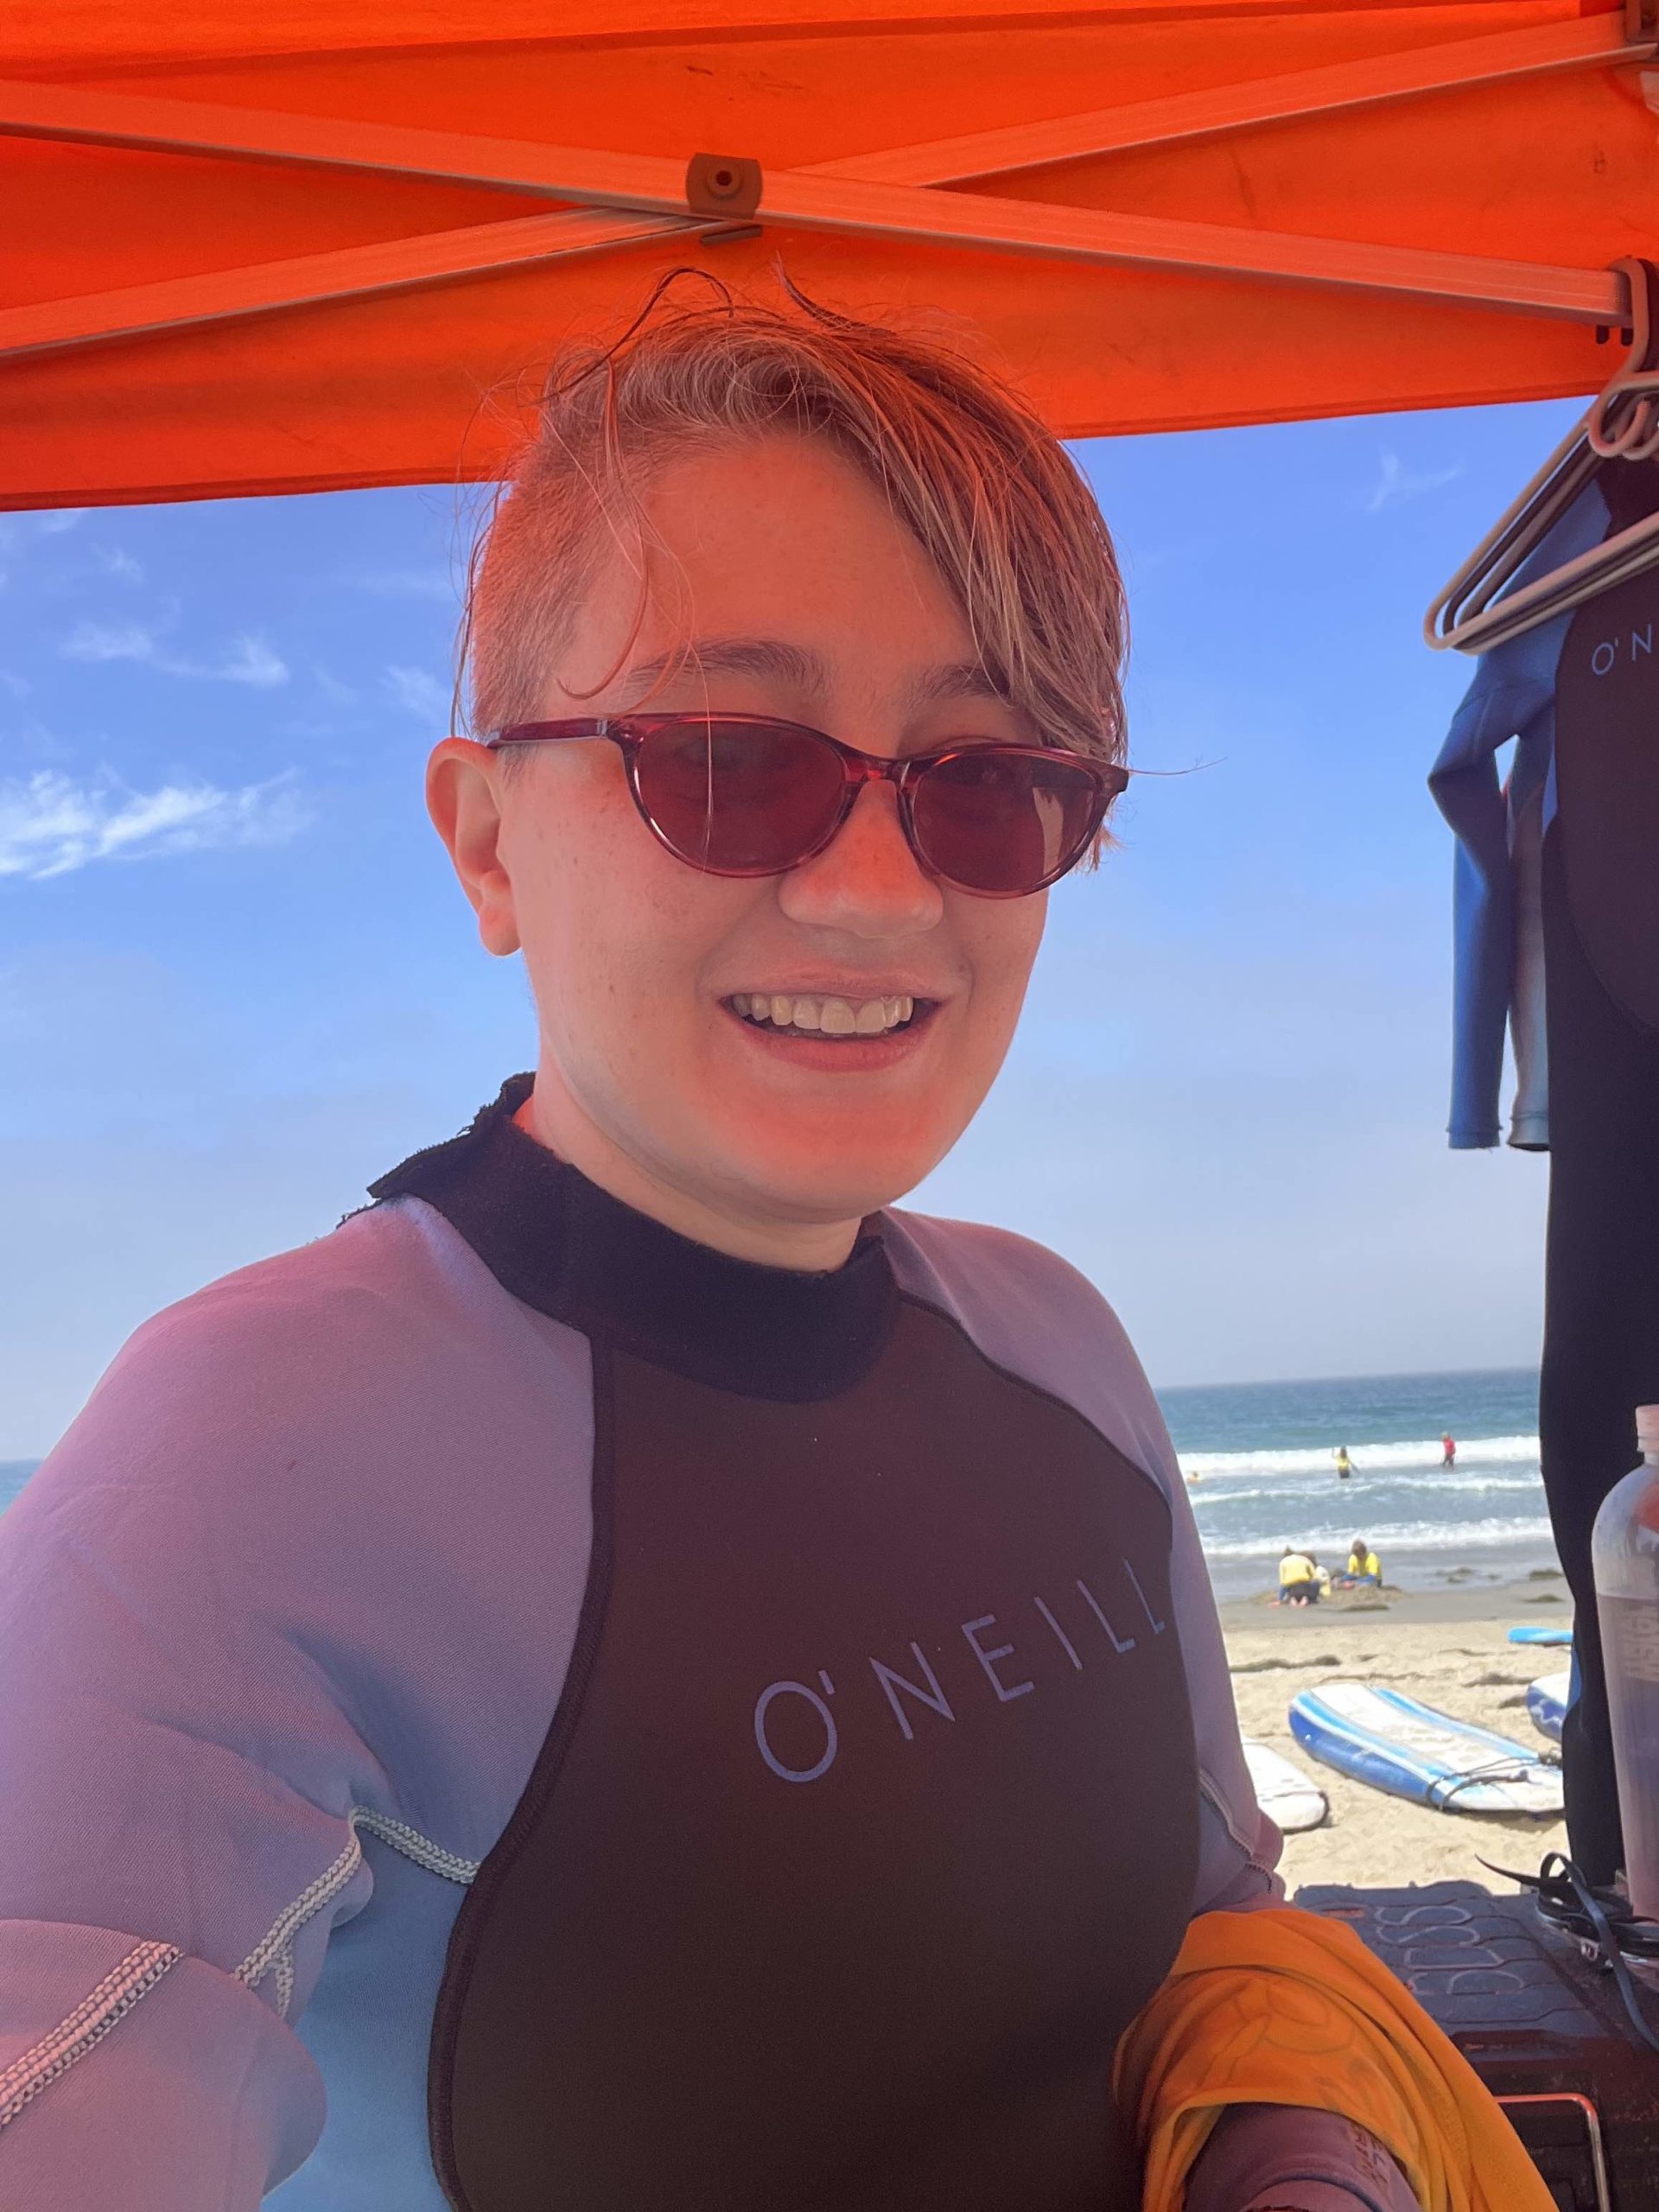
<point x="1464" y="782"/>
<point x="1512" y="695"/>
<point x="177" y="1778"/>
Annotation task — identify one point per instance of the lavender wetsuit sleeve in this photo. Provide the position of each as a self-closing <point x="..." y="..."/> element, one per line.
<point x="177" y="1778"/>
<point x="246" y="1618"/>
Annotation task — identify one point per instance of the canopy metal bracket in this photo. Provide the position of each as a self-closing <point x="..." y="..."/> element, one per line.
<point x="724" y="188"/>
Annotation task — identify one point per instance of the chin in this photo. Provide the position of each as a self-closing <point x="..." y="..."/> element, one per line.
<point x="826" y="1183"/>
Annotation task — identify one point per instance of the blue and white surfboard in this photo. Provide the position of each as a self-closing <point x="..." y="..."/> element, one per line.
<point x="1381" y="1737"/>
<point x="1547" y="1703"/>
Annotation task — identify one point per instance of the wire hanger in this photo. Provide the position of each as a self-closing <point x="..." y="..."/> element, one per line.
<point x="1622" y="423"/>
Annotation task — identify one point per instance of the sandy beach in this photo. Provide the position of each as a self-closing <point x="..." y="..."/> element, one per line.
<point x="1447" y="1648"/>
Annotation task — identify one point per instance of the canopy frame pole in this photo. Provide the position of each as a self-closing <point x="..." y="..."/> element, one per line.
<point x="1595" y="42"/>
<point x="1591" y="296"/>
<point x="320" y="279"/>
<point x="1586" y="42"/>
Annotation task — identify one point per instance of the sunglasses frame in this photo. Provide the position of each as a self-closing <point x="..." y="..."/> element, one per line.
<point x="904" y="772"/>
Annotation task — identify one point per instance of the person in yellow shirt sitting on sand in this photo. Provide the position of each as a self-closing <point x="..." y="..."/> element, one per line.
<point x="1363" y="1565"/>
<point x="1299" y="1583"/>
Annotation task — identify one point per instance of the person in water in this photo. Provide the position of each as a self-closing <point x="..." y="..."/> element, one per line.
<point x="1344" y="1466"/>
<point x="634" y="1670"/>
<point x="1448" y="1452"/>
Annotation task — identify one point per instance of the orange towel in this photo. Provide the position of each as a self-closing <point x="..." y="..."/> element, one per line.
<point x="1282" y="2007"/>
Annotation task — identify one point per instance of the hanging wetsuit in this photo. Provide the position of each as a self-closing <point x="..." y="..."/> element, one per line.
<point x="1497" y="929"/>
<point x="1601" y="916"/>
<point x="640" y="1729"/>
<point x="1557" y="923"/>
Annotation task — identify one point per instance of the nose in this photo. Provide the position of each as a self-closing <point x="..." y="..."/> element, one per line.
<point x="866" y="881"/>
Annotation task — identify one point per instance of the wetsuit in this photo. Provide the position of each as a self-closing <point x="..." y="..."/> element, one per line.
<point x="636" y="1728"/>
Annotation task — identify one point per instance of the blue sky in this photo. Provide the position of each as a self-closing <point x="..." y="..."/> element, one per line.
<point x="236" y="980"/>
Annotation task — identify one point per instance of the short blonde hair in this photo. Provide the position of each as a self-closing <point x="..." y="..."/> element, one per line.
<point x="962" y="461"/>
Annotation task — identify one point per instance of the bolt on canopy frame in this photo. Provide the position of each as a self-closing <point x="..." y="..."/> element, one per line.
<point x="330" y="243"/>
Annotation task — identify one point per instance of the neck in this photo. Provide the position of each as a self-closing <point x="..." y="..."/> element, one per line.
<point x="553" y="1118"/>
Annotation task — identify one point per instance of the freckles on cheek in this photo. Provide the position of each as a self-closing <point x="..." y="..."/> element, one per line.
<point x="999" y="947"/>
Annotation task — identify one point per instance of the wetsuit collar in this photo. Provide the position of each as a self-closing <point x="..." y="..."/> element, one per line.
<point x="558" y="1242"/>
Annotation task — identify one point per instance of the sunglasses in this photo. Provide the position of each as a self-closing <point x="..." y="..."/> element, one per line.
<point x="745" y="795"/>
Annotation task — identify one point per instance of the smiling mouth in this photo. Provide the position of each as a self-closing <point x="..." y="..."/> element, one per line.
<point x="812" y="1014"/>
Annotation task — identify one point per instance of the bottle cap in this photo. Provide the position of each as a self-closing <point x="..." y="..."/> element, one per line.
<point x="1646" y="1429"/>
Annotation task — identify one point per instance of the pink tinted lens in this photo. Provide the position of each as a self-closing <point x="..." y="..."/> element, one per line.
<point x="744" y="799"/>
<point x="1004" y="822"/>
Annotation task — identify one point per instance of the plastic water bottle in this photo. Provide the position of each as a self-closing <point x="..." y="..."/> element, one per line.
<point x="1624" y="1553"/>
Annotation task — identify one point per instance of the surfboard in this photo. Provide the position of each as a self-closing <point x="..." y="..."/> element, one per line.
<point x="1547" y="1703"/>
<point x="1540" y="1636"/>
<point x="1382" y="1737"/>
<point x="1290" y="1799"/>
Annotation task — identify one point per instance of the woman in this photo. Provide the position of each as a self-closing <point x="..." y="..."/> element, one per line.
<point x="645" y="1674"/>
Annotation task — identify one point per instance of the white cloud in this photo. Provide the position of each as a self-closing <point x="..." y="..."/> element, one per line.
<point x="50" y="824"/>
<point x="56" y="520"/>
<point x="118" y="641"/>
<point x="421" y="693"/>
<point x="115" y="562"/>
<point x="1396" y="484"/>
<point x="10" y="681"/>
<point x="250" y="660"/>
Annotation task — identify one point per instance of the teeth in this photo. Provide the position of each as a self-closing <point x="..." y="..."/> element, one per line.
<point x="835" y="1017"/>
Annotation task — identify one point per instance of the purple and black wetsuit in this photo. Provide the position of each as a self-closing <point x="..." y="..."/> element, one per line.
<point x="506" y="1706"/>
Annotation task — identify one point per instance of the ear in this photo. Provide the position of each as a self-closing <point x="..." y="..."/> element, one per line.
<point x="464" y="797"/>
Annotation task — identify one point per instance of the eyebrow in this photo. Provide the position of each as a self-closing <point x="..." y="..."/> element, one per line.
<point x="959" y="679"/>
<point x="798" y="665"/>
<point x="802" y="670"/>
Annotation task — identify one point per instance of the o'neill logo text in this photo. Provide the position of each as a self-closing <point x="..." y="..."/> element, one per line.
<point x="1637" y="645"/>
<point x="795" y="1729"/>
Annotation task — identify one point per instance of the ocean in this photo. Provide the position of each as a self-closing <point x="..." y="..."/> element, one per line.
<point x="1264" y="1457"/>
<point x="1261" y="1460"/>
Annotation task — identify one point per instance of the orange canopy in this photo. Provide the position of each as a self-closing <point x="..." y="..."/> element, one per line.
<point x="314" y="244"/>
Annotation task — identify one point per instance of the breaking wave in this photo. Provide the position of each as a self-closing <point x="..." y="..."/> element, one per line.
<point x="1451" y="1539"/>
<point x="1369" y="1459"/>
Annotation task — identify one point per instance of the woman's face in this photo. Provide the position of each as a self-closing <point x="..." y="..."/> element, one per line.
<point x="803" y="599"/>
